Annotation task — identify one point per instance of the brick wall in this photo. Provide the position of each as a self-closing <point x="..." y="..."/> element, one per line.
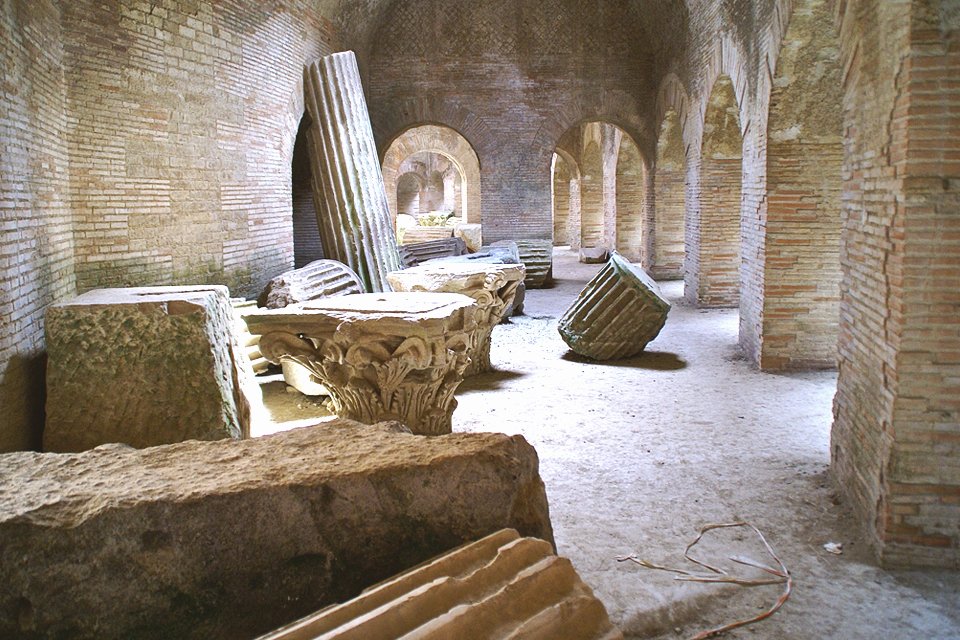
<point x="591" y="195"/>
<point x="307" y="246"/>
<point x="804" y="153"/>
<point x="36" y="243"/>
<point x="718" y="237"/>
<point x="629" y="199"/>
<point x="561" y="201"/>
<point x="183" y="118"/>
<point x="669" y="183"/>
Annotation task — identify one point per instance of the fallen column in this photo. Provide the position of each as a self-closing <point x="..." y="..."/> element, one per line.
<point x="355" y="223"/>
<point x="182" y="540"/>
<point x="317" y="280"/>
<point x="145" y="366"/>
<point x="492" y="286"/>
<point x="617" y="313"/>
<point x="502" y="586"/>
<point x="382" y="356"/>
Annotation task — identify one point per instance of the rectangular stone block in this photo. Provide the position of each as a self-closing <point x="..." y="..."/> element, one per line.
<point x="230" y="539"/>
<point x="144" y="366"/>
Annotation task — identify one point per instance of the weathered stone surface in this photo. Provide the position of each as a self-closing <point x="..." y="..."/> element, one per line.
<point x="249" y="343"/>
<point x="617" y="313"/>
<point x="516" y="307"/>
<point x="537" y="257"/>
<point x="502" y="586"/>
<point x="230" y="539"/>
<point x="319" y="279"/>
<point x="593" y="255"/>
<point x="471" y="234"/>
<point x="355" y="223"/>
<point x="413" y="254"/>
<point x="418" y="234"/>
<point x="382" y="356"/>
<point x="492" y="286"/>
<point x="144" y="366"/>
<point x="502" y="253"/>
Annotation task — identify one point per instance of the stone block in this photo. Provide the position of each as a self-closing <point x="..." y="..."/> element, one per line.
<point x="413" y="254"/>
<point x="231" y="539"/>
<point x="537" y="256"/>
<point x="502" y="253"/>
<point x="144" y="366"/>
<point x="419" y="234"/>
<point x="594" y="255"/>
<point x="319" y="279"/>
<point x="618" y="312"/>
<point x="502" y="586"/>
<point x="471" y="234"/>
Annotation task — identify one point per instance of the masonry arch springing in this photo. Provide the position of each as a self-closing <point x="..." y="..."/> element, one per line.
<point x="443" y="141"/>
<point x="804" y="157"/>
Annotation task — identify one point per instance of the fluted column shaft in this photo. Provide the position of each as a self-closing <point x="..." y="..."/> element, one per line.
<point x="351" y="202"/>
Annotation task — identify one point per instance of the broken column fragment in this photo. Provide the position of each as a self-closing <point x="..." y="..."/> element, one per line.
<point x="413" y="254"/>
<point x="618" y="312"/>
<point x="355" y="223"/>
<point x="319" y="279"/>
<point x="181" y="540"/>
<point x="502" y="586"/>
<point x="537" y="257"/>
<point x="145" y="366"/>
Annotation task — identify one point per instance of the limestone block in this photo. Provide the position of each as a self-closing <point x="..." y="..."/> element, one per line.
<point x="537" y="257"/>
<point x="418" y="234"/>
<point x="144" y="366"/>
<point x="231" y="539"/>
<point x="356" y="227"/>
<point x="413" y="254"/>
<point x="319" y="279"/>
<point x="382" y="356"/>
<point x="617" y="313"/>
<point x="471" y="234"/>
<point x="492" y="286"/>
<point x="502" y="586"/>
<point x="594" y="255"/>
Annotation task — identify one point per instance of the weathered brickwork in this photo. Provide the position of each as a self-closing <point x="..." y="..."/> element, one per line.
<point x="804" y="153"/>
<point x="561" y="201"/>
<point x="667" y="243"/>
<point x="183" y="116"/>
<point x="629" y="200"/>
<point x="36" y="244"/>
<point x="718" y="234"/>
<point x="591" y="194"/>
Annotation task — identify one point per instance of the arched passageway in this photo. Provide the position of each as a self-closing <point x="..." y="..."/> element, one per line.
<point x="306" y="231"/>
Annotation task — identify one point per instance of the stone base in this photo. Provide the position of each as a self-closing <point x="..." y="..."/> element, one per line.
<point x="502" y="586"/>
<point x="231" y="539"/>
<point x="537" y="257"/>
<point x="145" y="366"/>
<point x="594" y="255"/>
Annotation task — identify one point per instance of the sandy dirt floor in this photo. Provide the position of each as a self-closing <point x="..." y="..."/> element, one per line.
<point x="638" y="454"/>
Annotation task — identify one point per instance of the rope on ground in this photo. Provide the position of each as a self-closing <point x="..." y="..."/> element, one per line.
<point x="780" y="575"/>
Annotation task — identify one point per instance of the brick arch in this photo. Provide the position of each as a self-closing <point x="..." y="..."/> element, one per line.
<point x="632" y="208"/>
<point x="391" y="120"/>
<point x="665" y="244"/>
<point x="673" y="96"/>
<point x="565" y="202"/>
<point x="445" y="141"/>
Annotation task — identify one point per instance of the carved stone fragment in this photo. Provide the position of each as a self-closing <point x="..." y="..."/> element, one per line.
<point x="501" y="586"/>
<point x="386" y="356"/>
<point x="413" y="254"/>
<point x="492" y="286"/>
<point x="537" y="257"/>
<point x="182" y="540"/>
<point x="355" y="223"/>
<point x="145" y="366"/>
<point x="594" y="255"/>
<point x="470" y="233"/>
<point x="617" y="313"/>
<point x="319" y="279"/>
<point x="418" y="234"/>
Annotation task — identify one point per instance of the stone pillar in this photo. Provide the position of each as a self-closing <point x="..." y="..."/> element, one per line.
<point x="352" y="212"/>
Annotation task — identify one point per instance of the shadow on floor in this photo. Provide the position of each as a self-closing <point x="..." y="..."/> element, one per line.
<point x="653" y="360"/>
<point x="490" y="381"/>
